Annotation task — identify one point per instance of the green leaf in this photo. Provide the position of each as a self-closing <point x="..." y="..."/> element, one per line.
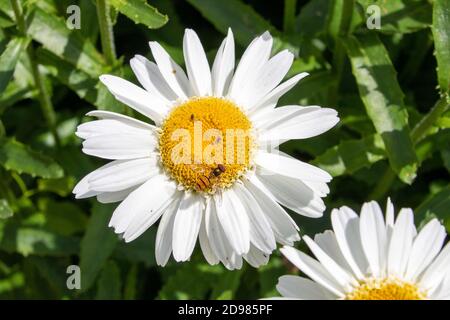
<point x="191" y="281"/>
<point x="53" y="34"/>
<point x="441" y="34"/>
<point x="9" y="58"/>
<point x="62" y="186"/>
<point x="383" y="99"/>
<point x="226" y="286"/>
<point x="140" y="12"/>
<point x="36" y="241"/>
<point x="22" y="159"/>
<point x="351" y="155"/>
<point x="109" y="285"/>
<point x="85" y="86"/>
<point x="310" y="87"/>
<point x="64" y="218"/>
<point x="340" y="18"/>
<point x="54" y="271"/>
<point x="139" y="250"/>
<point x="400" y="16"/>
<point x="445" y="154"/>
<point x="5" y="209"/>
<point x="312" y="20"/>
<point x="268" y="277"/>
<point x="436" y="205"/>
<point x="97" y="244"/>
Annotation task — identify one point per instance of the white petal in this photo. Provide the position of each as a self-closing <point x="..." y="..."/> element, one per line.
<point x="284" y="228"/>
<point x="265" y="79"/>
<point x="171" y="71"/>
<point x="328" y="243"/>
<point x="256" y="258"/>
<point x="344" y="279"/>
<point x="268" y="102"/>
<point x="205" y="245"/>
<point x="373" y="237"/>
<point x="302" y="288"/>
<point x="442" y="292"/>
<point x="120" y="146"/>
<point x="234" y="221"/>
<point x="108" y="126"/>
<point x="290" y="167"/>
<point x="144" y="220"/>
<point x="436" y="271"/>
<point x="389" y="213"/>
<point x="135" y="97"/>
<point x="102" y="114"/>
<point x="261" y="234"/>
<point x="143" y="201"/>
<point x="196" y="64"/>
<point x="187" y="225"/>
<point x="256" y="54"/>
<point x="151" y="79"/>
<point x="319" y="187"/>
<point x="294" y="194"/>
<point x="295" y="122"/>
<point x="313" y="269"/>
<point x="163" y="242"/>
<point x="218" y="240"/>
<point x="222" y="70"/>
<point x="425" y="248"/>
<point x="401" y="243"/>
<point x="83" y="189"/>
<point x="346" y="228"/>
<point x="116" y="196"/>
<point x="123" y="174"/>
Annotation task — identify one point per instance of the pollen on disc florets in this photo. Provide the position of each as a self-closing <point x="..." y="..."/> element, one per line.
<point x="385" y="289"/>
<point x="206" y="144"/>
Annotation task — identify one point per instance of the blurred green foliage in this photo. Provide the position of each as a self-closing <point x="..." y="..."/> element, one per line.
<point x="390" y="86"/>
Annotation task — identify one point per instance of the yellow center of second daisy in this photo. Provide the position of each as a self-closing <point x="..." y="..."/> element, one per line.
<point x="385" y="289"/>
<point x="206" y="144"/>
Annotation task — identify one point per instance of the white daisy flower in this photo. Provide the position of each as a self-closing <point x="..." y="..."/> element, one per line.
<point x="232" y="205"/>
<point x="368" y="257"/>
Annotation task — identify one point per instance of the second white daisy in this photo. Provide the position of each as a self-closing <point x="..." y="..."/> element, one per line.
<point x="225" y="192"/>
<point x="368" y="257"/>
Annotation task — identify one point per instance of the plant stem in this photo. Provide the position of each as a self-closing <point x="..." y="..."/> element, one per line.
<point x="289" y="15"/>
<point x="5" y="191"/>
<point x="339" y="23"/>
<point x="106" y="31"/>
<point x="44" y="99"/>
<point x="419" y="131"/>
<point x="417" y="134"/>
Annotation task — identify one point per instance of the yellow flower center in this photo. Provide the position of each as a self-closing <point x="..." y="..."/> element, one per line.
<point x="385" y="289"/>
<point x="206" y="144"/>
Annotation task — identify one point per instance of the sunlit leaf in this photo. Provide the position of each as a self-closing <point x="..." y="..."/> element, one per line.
<point x="9" y="58"/>
<point x="36" y="241"/>
<point x="140" y="12"/>
<point x="441" y="34"/>
<point x="352" y="155"/>
<point x="52" y="32"/>
<point x="436" y="205"/>
<point x="22" y="159"/>
<point x="383" y="99"/>
<point x="5" y="209"/>
<point x="400" y="16"/>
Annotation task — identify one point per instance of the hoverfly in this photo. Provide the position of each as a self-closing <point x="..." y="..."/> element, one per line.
<point x="204" y="181"/>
